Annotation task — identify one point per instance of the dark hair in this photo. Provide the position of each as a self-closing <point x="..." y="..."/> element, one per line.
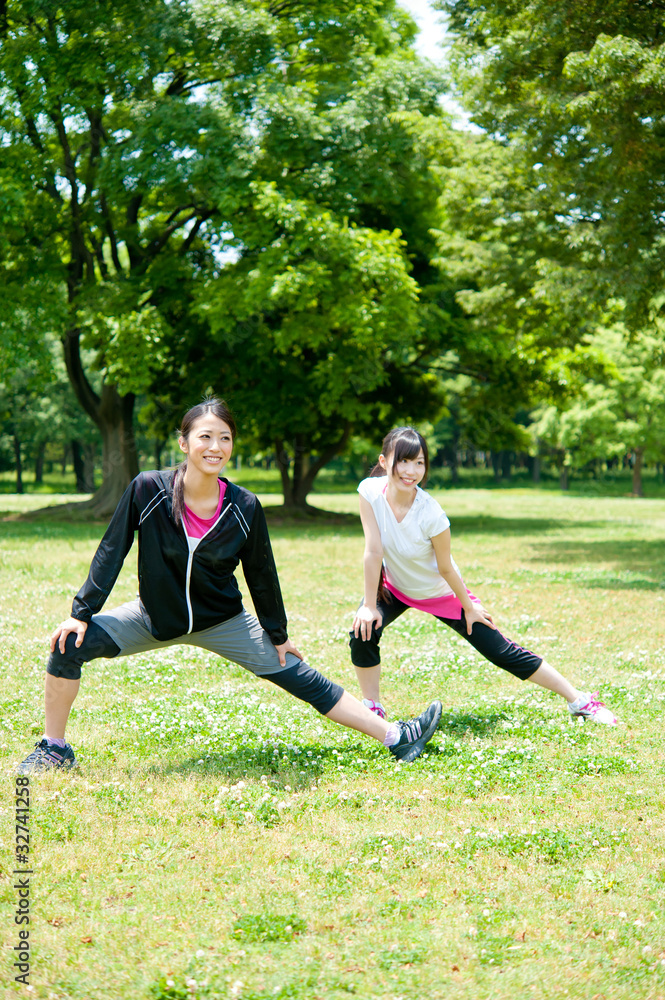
<point x="211" y="404"/>
<point x="402" y="443"/>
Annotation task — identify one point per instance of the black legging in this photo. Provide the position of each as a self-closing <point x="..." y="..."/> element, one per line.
<point x="489" y="641"/>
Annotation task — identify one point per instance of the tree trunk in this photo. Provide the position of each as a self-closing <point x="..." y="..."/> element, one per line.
<point x="637" y="473"/>
<point x="39" y="463"/>
<point x="535" y="468"/>
<point x="158" y="449"/>
<point x="297" y="486"/>
<point x="84" y="467"/>
<point x="564" y="482"/>
<point x="283" y="463"/>
<point x="450" y="455"/>
<point x="506" y="464"/>
<point x="119" y="459"/>
<point x="78" y="466"/>
<point x="89" y="453"/>
<point x="496" y="465"/>
<point x="19" y="464"/>
<point x="113" y="415"/>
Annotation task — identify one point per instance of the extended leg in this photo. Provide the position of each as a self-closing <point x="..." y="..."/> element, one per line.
<point x="528" y="666"/>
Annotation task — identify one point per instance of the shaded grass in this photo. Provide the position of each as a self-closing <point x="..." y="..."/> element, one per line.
<point x="522" y="855"/>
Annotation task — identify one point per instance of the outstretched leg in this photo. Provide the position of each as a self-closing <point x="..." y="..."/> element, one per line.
<point x="526" y="665"/>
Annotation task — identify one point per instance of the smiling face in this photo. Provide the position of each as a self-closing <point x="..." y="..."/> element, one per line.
<point x="406" y="472"/>
<point x="208" y="445"/>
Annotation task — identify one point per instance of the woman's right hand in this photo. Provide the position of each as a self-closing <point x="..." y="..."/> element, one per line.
<point x="364" y="620"/>
<point x="62" y="631"/>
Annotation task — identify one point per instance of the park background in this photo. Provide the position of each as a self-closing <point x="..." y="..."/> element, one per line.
<point x="313" y="211"/>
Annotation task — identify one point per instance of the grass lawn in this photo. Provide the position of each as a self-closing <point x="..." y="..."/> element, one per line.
<point x="218" y="831"/>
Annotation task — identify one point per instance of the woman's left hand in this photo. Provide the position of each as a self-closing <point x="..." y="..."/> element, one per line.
<point x="478" y="614"/>
<point x="287" y="647"/>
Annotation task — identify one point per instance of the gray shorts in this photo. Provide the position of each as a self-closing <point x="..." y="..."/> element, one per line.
<point x="241" y="639"/>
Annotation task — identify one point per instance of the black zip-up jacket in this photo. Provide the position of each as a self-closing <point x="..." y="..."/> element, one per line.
<point x="185" y="591"/>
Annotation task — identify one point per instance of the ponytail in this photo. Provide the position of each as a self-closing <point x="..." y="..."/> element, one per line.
<point x="178" y="500"/>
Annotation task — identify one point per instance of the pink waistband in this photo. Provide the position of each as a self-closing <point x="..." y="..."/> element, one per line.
<point x="446" y="606"/>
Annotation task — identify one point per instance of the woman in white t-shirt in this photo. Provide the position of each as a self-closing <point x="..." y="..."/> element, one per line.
<point x="408" y="563"/>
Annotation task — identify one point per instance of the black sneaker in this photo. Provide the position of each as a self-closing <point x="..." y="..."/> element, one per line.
<point x="415" y="734"/>
<point x="46" y="756"/>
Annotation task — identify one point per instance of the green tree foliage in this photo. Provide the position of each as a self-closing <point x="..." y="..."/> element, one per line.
<point x="577" y="90"/>
<point x="39" y="413"/>
<point x="617" y="412"/>
<point x="320" y="338"/>
<point x="331" y="314"/>
<point x="113" y="161"/>
<point x="154" y="147"/>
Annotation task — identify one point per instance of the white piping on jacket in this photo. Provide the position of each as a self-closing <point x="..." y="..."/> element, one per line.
<point x="193" y="544"/>
<point x="154" y="503"/>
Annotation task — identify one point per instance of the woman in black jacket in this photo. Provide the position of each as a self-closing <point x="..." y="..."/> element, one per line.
<point x="194" y="528"/>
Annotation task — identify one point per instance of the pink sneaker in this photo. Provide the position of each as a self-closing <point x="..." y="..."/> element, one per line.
<point x="376" y="707"/>
<point x="588" y="706"/>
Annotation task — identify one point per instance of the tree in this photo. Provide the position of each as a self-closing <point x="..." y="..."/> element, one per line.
<point x="618" y="412"/>
<point x="113" y="163"/>
<point x="137" y="129"/>
<point x="576" y="90"/>
<point x="317" y="339"/>
<point x="330" y="317"/>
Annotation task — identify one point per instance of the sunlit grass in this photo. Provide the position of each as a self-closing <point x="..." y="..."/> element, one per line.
<point x="219" y="831"/>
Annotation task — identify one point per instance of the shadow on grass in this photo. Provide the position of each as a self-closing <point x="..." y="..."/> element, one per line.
<point x="254" y="762"/>
<point x="308" y="517"/>
<point x="483" y="524"/>
<point x="634" y="564"/>
<point x="460" y="723"/>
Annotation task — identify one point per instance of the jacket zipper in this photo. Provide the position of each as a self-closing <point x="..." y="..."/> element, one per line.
<point x="190" y="560"/>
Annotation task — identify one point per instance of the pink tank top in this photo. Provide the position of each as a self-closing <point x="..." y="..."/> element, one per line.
<point x="197" y="527"/>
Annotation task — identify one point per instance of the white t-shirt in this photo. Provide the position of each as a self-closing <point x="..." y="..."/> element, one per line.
<point x="409" y="560"/>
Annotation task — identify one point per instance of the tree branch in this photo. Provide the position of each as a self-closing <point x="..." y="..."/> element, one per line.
<point x="110" y="232"/>
<point x="134" y="248"/>
<point x="133" y="209"/>
<point x="160" y="241"/>
<point x="186" y="244"/>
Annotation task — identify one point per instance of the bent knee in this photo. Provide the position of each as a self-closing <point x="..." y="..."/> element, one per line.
<point x="96" y="643"/>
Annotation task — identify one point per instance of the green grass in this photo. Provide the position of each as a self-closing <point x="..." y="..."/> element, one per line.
<point x="219" y="831"/>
